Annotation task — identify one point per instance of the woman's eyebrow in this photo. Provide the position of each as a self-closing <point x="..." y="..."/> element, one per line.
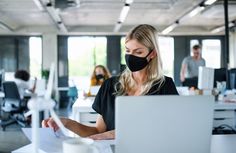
<point x="133" y="49"/>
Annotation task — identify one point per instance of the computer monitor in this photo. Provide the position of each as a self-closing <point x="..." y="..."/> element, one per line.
<point x="205" y="78"/>
<point x="2" y="74"/>
<point x="232" y="78"/>
<point x="190" y="82"/>
<point x="220" y="75"/>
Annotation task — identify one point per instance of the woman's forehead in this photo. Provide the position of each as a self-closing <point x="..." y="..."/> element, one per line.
<point x="133" y="44"/>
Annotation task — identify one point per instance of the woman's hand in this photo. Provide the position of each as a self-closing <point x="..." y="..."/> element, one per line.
<point x="52" y="124"/>
<point x="104" y="136"/>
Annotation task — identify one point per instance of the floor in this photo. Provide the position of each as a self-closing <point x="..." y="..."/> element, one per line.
<point x="13" y="138"/>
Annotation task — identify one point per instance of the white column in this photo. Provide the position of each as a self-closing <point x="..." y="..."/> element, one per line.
<point x="232" y="50"/>
<point x="50" y="55"/>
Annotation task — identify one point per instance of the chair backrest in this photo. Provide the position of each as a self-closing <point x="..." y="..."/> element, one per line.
<point x="10" y="90"/>
<point x="12" y="97"/>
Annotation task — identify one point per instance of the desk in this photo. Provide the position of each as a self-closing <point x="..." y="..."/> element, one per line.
<point x="82" y="112"/>
<point x="219" y="144"/>
<point x="224" y="114"/>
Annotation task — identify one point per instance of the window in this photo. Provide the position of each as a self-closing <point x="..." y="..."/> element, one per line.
<point x="192" y="43"/>
<point x="211" y="52"/>
<point x="166" y="46"/>
<point x="84" y="53"/>
<point x="35" y="49"/>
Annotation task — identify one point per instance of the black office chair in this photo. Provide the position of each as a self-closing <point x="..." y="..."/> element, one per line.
<point x="13" y="105"/>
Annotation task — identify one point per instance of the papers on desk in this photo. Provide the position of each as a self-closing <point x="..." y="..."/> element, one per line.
<point x="48" y="141"/>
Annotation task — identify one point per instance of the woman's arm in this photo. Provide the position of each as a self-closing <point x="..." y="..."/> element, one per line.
<point x="77" y="127"/>
<point x="104" y="136"/>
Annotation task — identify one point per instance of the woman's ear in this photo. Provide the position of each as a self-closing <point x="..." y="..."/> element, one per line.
<point x="153" y="54"/>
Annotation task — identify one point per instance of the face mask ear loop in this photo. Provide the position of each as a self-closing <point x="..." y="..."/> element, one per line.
<point x="149" y="54"/>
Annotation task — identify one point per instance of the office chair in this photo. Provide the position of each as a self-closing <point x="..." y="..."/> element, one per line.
<point x="13" y="105"/>
<point x="73" y="95"/>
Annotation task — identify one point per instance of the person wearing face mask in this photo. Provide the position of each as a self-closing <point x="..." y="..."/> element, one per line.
<point x="100" y="74"/>
<point x="143" y="76"/>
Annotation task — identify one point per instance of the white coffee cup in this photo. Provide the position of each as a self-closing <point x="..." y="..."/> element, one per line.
<point x="79" y="145"/>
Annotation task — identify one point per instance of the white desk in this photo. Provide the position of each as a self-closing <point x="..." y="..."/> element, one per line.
<point x="219" y="144"/>
<point x="224" y="114"/>
<point x="82" y="112"/>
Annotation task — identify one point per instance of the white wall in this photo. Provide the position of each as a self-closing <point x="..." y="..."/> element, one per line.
<point x="232" y="50"/>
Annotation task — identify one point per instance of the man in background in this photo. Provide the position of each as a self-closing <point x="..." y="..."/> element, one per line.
<point x="190" y="64"/>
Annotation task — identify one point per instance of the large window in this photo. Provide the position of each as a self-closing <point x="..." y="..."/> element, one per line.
<point x="211" y="52"/>
<point x="166" y="46"/>
<point x="35" y="49"/>
<point x="84" y="53"/>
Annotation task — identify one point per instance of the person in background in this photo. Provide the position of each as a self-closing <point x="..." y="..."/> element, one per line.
<point x="100" y="74"/>
<point x="190" y="64"/>
<point x="143" y="76"/>
<point x="22" y="81"/>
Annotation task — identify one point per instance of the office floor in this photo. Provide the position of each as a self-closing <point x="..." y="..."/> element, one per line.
<point x="13" y="138"/>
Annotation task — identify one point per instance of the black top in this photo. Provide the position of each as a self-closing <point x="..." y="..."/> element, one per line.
<point x="104" y="103"/>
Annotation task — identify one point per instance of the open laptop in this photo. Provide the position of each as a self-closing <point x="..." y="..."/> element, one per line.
<point x="164" y="124"/>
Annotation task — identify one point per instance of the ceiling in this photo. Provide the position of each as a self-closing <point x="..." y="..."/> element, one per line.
<point x="101" y="16"/>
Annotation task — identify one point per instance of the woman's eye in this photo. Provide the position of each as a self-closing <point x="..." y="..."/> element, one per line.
<point x="127" y="51"/>
<point x="139" y="52"/>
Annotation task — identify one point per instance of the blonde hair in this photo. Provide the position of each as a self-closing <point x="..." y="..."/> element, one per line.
<point x="147" y="36"/>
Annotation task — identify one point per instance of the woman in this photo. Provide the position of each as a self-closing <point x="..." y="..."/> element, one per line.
<point x="100" y="74"/>
<point x="144" y="76"/>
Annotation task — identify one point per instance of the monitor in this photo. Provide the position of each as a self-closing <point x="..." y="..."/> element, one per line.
<point x="190" y="82"/>
<point x="2" y="74"/>
<point x="232" y="78"/>
<point x="220" y="75"/>
<point x="205" y="78"/>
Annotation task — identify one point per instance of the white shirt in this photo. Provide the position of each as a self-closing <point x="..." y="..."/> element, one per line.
<point x="22" y="86"/>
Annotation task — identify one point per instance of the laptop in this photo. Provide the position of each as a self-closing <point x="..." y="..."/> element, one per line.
<point x="164" y="124"/>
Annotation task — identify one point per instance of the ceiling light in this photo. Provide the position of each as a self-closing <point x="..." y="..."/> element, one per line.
<point x="169" y="28"/>
<point x="209" y="2"/>
<point x="117" y="27"/>
<point x="62" y="27"/>
<point x="221" y="28"/>
<point x="191" y="14"/>
<point x="5" y="27"/>
<point x="39" y="4"/>
<point x="124" y="13"/>
<point x="54" y="14"/>
<point x="196" y="11"/>
<point x="129" y="1"/>
<point x="55" y="17"/>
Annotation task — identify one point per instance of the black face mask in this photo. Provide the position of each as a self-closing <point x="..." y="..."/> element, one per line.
<point x="99" y="76"/>
<point x="136" y="63"/>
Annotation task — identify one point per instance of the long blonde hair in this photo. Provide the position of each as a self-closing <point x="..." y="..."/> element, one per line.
<point x="147" y="36"/>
